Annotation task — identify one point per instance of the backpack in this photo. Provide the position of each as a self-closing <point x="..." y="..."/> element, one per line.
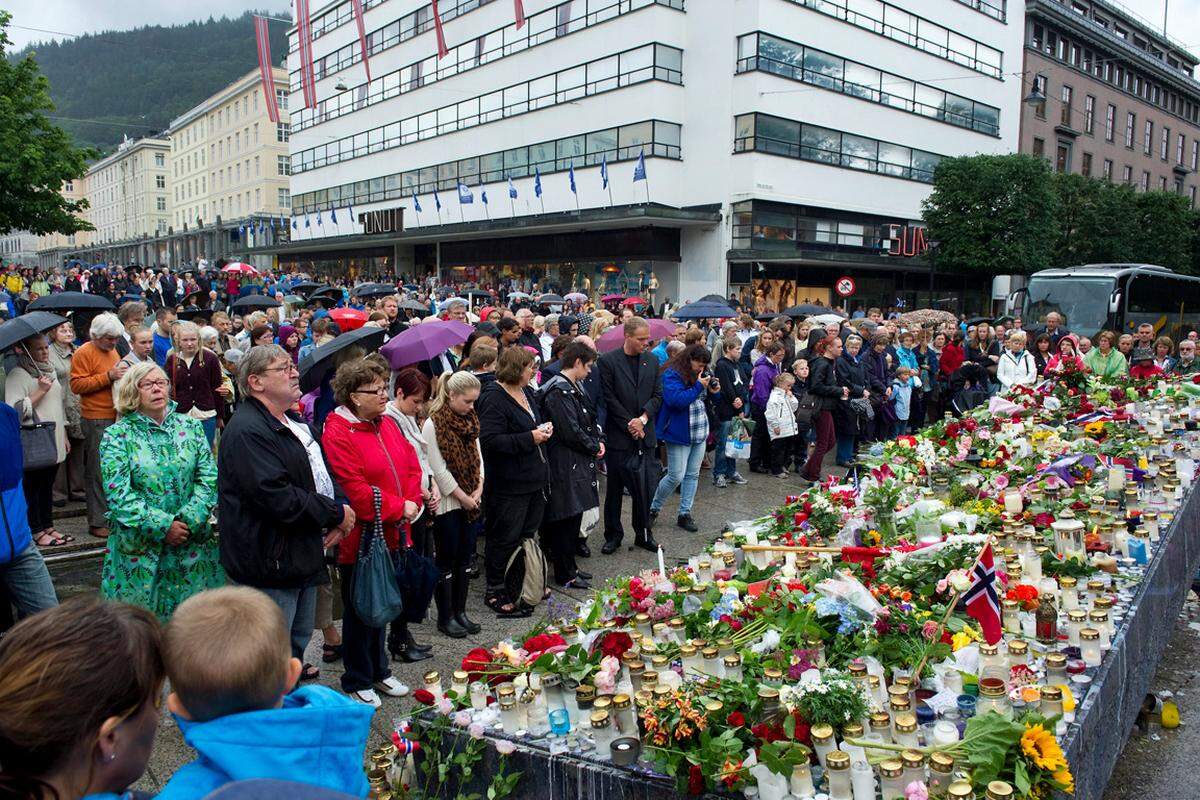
<point x="809" y="405"/>
<point x="525" y="573"/>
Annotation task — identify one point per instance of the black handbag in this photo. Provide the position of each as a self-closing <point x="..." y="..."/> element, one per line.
<point x="417" y="577"/>
<point x="375" y="594"/>
<point x="37" y="443"/>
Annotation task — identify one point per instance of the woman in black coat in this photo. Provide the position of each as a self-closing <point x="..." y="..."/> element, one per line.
<point x="822" y="382"/>
<point x="573" y="452"/>
<point x="511" y="434"/>
<point x="852" y="376"/>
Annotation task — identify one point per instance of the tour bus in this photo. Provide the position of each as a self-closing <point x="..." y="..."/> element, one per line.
<point x="1114" y="297"/>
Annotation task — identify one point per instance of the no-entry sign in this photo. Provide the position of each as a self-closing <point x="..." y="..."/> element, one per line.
<point x="844" y="286"/>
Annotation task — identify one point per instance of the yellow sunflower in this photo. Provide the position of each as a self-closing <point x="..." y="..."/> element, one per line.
<point x="1065" y="780"/>
<point x="1041" y="747"/>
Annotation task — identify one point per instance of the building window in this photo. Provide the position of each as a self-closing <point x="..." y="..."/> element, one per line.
<point x="1108" y="166"/>
<point x="1067" y="91"/>
<point x="160" y="159"/>
<point x="1148" y="138"/>
<point x="281" y="99"/>
<point x="1165" y="144"/>
<point x="257" y="167"/>
<point x="282" y="130"/>
<point x="160" y="203"/>
<point x="160" y="181"/>
<point x="1089" y="115"/>
<point x="1179" y="143"/>
<point x="1110" y="122"/>
<point x="1062" y="157"/>
<point x="1039" y="147"/>
<point x="1192" y="195"/>
<point x="68" y="186"/>
<point x="282" y="165"/>
<point x="1195" y="154"/>
<point x="1127" y="175"/>
<point x="284" y="198"/>
<point x="1040" y="82"/>
<point x="1085" y="165"/>
<point x="1162" y="183"/>
<point x="1146" y="180"/>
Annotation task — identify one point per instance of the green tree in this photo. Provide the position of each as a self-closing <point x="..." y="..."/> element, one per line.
<point x="993" y="213"/>
<point x="1097" y="221"/>
<point x="1165" y="226"/>
<point x="36" y="156"/>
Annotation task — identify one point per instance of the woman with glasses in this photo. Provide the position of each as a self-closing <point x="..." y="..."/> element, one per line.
<point x="160" y="482"/>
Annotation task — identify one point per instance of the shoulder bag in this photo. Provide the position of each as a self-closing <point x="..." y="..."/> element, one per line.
<point x="376" y="595"/>
<point x="37" y="442"/>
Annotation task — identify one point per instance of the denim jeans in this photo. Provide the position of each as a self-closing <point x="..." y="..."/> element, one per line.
<point x="723" y="465"/>
<point x="299" y="608"/>
<point x="210" y="429"/>
<point x="28" y="582"/>
<point x="683" y="466"/>
<point x="845" y="447"/>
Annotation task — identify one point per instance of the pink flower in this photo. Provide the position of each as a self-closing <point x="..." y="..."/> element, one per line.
<point x="462" y="718"/>
<point x="445" y="705"/>
<point x="606" y="678"/>
<point x="476" y="730"/>
<point x="916" y="791"/>
<point x="1001" y="482"/>
<point x="928" y="630"/>
<point x="504" y="746"/>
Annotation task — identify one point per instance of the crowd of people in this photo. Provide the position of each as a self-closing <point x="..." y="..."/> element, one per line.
<point x="204" y="467"/>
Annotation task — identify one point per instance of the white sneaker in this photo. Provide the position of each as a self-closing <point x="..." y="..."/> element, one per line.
<point x="367" y="697"/>
<point x="392" y="687"/>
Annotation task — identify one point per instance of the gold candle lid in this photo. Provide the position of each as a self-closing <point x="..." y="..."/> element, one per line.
<point x="460" y="676"/>
<point x="432" y="677"/>
<point x="769" y="693"/>
<point x="891" y="768"/>
<point x="837" y="760"/>
<point x="1089" y="634"/>
<point x="602" y="703"/>
<point x="710" y="653"/>
<point x="1052" y="693"/>
<point x="599" y="719"/>
<point x="1056" y="660"/>
<point x="1098" y="615"/>
<point x="821" y="732"/>
<point x="880" y="720"/>
<point x="733" y="660"/>
<point x="857" y="669"/>
<point x="897" y="691"/>
<point x="713" y="706"/>
<point x="660" y="662"/>
<point x="999" y="790"/>
<point x="900" y="704"/>
<point x="1095" y="586"/>
<point x="986" y="649"/>
<point x="585" y="691"/>
<point x="906" y="722"/>
<point x="649" y="678"/>
<point x="675" y="623"/>
<point x="852" y="730"/>
<point x="912" y="759"/>
<point x="1018" y="647"/>
<point x="662" y="691"/>
<point x="641" y="619"/>
<point x="991" y="687"/>
<point x="1009" y="605"/>
<point x="1150" y="515"/>
<point x="659" y="627"/>
<point x="1077" y="615"/>
<point x="941" y="762"/>
<point x="637" y="668"/>
<point x="687" y="650"/>
<point x="960" y="790"/>
<point x="1104" y="603"/>
<point x="772" y="674"/>
<point x="620" y="701"/>
<point x="1066" y="582"/>
<point x="644" y="698"/>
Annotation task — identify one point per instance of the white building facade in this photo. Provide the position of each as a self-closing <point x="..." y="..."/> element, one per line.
<point x="786" y="142"/>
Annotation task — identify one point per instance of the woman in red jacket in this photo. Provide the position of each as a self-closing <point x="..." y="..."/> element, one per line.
<point x="366" y="450"/>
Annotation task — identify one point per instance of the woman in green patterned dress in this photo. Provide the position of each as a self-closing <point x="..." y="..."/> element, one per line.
<point x="161" y="482"/>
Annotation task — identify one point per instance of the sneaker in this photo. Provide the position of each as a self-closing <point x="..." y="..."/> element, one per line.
<point x="720" y="482"/>
<point x="738" y="479"/>
<point x="367" y="697"/>
<point x="783" y="473"/>
<point x="686" y="522"/>
<point x="392" y="687"/>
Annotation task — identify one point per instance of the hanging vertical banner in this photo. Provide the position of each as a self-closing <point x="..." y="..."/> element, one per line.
<point x="308" y="76"/>
<point x="362" y="35"/>
<point x="519" y="13"/>
<point x="262" y="37"/>
<point x="443" y="51"/>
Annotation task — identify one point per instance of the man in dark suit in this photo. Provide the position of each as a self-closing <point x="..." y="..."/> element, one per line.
<point x="632" y="392"/>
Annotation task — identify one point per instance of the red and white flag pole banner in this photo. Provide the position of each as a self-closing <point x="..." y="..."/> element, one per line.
<point x="443" y="51"/>
<point x="519" y="13"/>
<point x="262" y="37"/>
<point x="357" y="5"/>
<point x="308" y="78"/>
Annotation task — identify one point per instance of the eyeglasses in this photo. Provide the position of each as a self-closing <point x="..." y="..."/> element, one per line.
<point x="289" y="368"/>
<point x="157" y="384"/>
<point x="381" y="391"/>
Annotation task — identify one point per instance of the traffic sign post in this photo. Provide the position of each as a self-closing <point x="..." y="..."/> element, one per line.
<point x="845" y="286"/>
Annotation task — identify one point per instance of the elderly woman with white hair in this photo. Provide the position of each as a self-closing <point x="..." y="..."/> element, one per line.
<point x="161" y="482"/>
<point x="95" y="367"/>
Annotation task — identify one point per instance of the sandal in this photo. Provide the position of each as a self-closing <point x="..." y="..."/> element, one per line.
<point x="331" y="653"/>
<point x="506" y="609"/>
<point x="309" y="673"/>
<point x="66" y="537"/>
<point x="48" y="539"/>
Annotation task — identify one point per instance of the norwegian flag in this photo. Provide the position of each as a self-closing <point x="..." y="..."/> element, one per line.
<point x="262" y="37"/>
<point x="519" y="13"/>
<point x="443" y="51"/>
<point x="357" y="5"/>
<point x="1110" y="462"/>
<point x="982" y="601"/>
<point x="308" y="75"/>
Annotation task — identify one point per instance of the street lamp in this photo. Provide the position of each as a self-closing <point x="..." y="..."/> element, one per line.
<point x="1036" y="96"/>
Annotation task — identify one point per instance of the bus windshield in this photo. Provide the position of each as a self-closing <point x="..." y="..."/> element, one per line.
<point x="1082" y="301"/>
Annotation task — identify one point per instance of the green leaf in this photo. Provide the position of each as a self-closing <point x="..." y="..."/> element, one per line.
<point x="988" y="739"/>
<point x="1021" y="777"/>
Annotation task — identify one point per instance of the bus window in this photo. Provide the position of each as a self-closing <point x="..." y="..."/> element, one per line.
<point x="1171" y="304"/>
<point x="1081" y="300"/>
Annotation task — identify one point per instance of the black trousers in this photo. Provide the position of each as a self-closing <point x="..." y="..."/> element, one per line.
<point x="558" y="540"/>
<point x="363" y="647"/>
<point x="781" y="453"/>
<point x="453" y="543"/>
<point x="640" y="483"/>
<point x="509" y="518"/>
<point x="760" y="442"/>
<point x="39" y="497"/>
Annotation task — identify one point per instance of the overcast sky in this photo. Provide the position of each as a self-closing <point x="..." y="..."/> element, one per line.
<point x="90" y="16"/>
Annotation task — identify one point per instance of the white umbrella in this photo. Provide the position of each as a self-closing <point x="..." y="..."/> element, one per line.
<point x="825" y="319"/>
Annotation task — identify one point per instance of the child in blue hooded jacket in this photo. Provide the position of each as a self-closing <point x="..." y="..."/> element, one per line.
<point x="229" y="659"/>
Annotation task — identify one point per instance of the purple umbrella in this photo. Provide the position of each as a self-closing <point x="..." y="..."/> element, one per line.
<point x="423" y="342"/>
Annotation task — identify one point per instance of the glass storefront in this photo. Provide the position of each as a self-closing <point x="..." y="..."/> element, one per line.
<point x="368" y="264"/>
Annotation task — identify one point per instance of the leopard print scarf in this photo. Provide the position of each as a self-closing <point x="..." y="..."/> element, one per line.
<point x="457" y="435"/>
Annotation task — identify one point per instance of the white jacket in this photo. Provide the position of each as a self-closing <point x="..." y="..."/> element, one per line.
<point x="781" y="414"/>
<point x="1017" y="370"/>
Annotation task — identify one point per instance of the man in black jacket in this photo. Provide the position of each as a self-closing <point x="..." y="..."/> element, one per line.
<point x="632" y="396"/>
<point x="278" y="505"/>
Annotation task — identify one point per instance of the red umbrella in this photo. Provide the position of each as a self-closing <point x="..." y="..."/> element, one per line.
<point x="612" y="298"/>
<point x="348" y="319"/>
<point x="240" y="267"/>
<point x="633" y="301"/>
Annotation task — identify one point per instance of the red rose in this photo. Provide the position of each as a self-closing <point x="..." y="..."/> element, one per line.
<point x="424" y="697"/>
<point x="768" y="733"/>
<point x="737" y="719"/>
<point x="1043" y="520"/>
<point x="803" y="731"/>
<point x="695" y="780"/>
<point x="1196" y="378"/>
<point x="615" y="644"/>
<point x="476" y="662"/>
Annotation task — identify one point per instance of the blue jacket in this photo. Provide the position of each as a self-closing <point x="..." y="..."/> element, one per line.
<point x="902" y="397"/>
<point x="15" y="535"/>
<point x="318" y="737"/>
<point x="908" y="358"/>
<point x="671" y="424"/>
<point x="162" y="345"/>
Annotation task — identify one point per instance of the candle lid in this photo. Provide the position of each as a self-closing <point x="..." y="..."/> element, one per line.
<point x="772" y="674"/>
<point x="460" y="676"/>
<point x="900" y="704"/>
<point x="675" y="622"/>
<point x="1052" y="693"/>
<point x="549" y="680"/>
<point x="599" y="719"/>
<point x="637" y="667"/>
<point x="432" y="677"/>
<point x="1056" y="660"/>
<point x="880" y="720"/>
<point x="663" y="691"/>
<point x="857" y="669"/>
<point x="602" y="703"/>
<point x="649" y="678"/>
<point x="641" y="619"/>
<point x="991" y="687"/>
<point x="660" y="661"/>
<point x="906" y="722"/>
<point x="1067" y="582"/>
<point x="821" y="731"/>
<point x="1089" y="634"/>
<point x="852" y="730"/>
<point x="912" y="759"/>
<point x="713" y="706"/>
<point x="1098" y="615"/>
<point x="896" y="690"/>
<point x="733" y="660"/>
<point x="1103" y="602"/>
<point x="710" y="653"/>
<point x="986" y="649"/>
<point x="999" y="790"/>
<point x="771" y="693"/>
<point x="941" y="762"/>
<point x="960" y="790"/>
<point x="1077" y="615"/>
<point x="1018" y="647"/>
<point x="836" y="759"/>
<point x="585" y="691"/>
<point x="891" y="768"/>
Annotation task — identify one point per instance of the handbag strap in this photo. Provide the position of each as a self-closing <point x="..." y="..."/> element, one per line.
<point x="376" y="527"/>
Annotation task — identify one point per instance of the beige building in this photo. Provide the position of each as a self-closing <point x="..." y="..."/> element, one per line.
<point x="128" y="191"/>
<point x="54" y="247"/>
<point x="228" y="159"/>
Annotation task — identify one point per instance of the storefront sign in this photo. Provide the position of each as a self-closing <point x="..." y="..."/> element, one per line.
<point x="845" y="286"/>
<point x="385" y="220"/>
<point x="907" y="241"/>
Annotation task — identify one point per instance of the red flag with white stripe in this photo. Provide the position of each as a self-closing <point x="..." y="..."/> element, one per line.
<point x="308" y="75"/>
<point x="982" y="600"/>
<point x="262" y="37"/>
<point x="357" y="5"/>
<point x="443" y="51"/>
<point x="519" y="12"/>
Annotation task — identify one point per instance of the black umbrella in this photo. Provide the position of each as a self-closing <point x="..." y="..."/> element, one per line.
<point x="317" y="364"/>
<point x="713" y="298"/>
<point x="477" y="293"/>
<point x="31" y="324"/>
<point x="977" y="320"/>
<point x="409" y="304"/>
<point x="306" y="287"/>
<point x="192" y="313"/>
<point x="70" y="301"/>
<point x="809" y="310"/>
<point x="199" y="294"/>
<point x="373" y="290"/>
<point x="551" y="299"/>
<point x="702" y="309"/>
<point x="255" y="302"/>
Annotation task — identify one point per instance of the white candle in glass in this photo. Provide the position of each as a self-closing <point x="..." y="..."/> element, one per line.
<point x="863" y="779"/>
